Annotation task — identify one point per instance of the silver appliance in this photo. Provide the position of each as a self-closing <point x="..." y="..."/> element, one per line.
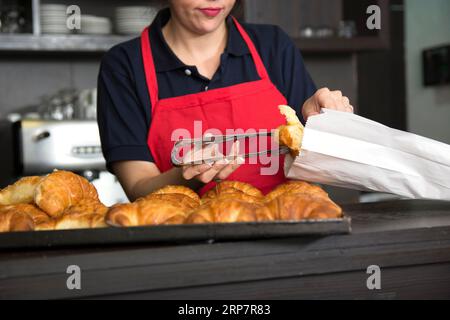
<point x="37" y="147"/>
<point x="70" y="145"/>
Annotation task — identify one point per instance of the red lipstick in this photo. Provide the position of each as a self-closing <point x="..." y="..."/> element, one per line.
<point x="211" y="12"/>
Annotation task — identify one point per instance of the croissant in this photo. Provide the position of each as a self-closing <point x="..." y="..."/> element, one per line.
<point x="178" y="190"/>
<point x="187" y="202"/>
<point x="74" y="221"/>
<point x="20" y="192"/>
<point x="168" y="205"/>
<point x="143" y="213"/>
<point x="85" y="214"/>
<point x="12" y="219"/>
<point x="61" y="190"/>
<point x="301" y="206"/>
<point x="37" y="216"/>
<point x="158" y="211"/>
<point x="34" y="212"/>
<point x="296" y="187"/>
<point x="228" y="210"/>
<point x="290" y="135"/>
<point x="87" y="206"/>
<point x="238" y="190"/>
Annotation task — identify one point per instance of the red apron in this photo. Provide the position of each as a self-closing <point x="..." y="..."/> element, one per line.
<point x="250" y="105"/>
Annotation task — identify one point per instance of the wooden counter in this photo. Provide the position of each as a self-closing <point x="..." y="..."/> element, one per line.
<point x="408" y="240"/>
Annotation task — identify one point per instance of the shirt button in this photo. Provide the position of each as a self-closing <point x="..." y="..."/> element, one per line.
<point x="188" y="72"/>
<point x="206" y="88"/>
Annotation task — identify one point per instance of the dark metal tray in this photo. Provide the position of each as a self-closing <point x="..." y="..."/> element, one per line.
<point x="173" y="233"/>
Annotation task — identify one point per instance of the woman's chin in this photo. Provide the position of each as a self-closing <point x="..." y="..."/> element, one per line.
<point x="207" y="26"/>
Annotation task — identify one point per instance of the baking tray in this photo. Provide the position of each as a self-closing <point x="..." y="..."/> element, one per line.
<point x="173" y="233"/>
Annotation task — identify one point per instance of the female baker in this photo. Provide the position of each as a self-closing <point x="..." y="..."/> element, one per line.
<point x="196" y="64"/>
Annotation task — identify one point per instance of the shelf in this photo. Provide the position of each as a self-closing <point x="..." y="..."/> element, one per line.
<point x="59" y="43"/>
<point x="340" y="45"/>
<point x="96" y="43"/>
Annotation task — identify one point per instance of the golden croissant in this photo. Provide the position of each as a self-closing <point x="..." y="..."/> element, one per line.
<point x="74" y="221"/>
<point x="146" y="212"/>
<point x="169" y="205"/>
<point x="61" y="190"/>
<point x="182" y="200"/>
<point x="87" y="206"/>
<point x="237" y="190"/>
<point x="301" y="206"/>
<point x="85" y="214"/>
<point x="296" y="187"/>
<point x="21" y="192"/>
<point x="14" y="218"/>
<point x="229" y="210"/>
<point x="34" y="212"/>
<point x="82" y="221"/>
<point x="291" y="134"/>
<point x="178" y="190"/>
<point x="64" y="200"/>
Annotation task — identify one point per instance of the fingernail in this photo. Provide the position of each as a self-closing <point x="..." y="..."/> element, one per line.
<point x="209" y="163"/>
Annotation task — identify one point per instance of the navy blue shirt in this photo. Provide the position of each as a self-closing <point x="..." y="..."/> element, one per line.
<point x="123" y="105"/>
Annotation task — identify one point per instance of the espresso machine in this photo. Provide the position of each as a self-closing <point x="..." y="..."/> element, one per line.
<point x="60" y="132"/>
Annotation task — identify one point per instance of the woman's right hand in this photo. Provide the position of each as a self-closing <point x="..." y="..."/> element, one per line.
<point x="211" y="171"/>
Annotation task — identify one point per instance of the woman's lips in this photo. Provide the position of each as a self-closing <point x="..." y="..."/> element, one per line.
<point x="211" y="12"/>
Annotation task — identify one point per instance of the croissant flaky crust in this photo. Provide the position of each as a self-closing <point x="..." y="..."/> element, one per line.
<point x="34" y="212"/>
<point x="28" y="217"/>
<point x="17" y="218"/>
<point x="169" y="205"/>
<point x="178" y="190"/>
<point x="60" y="200"/>
<point x="291" y="134"/>
<point x="229" y="210"/>
<point x="20" y="192"/>
<point x="299" y="200"/>
<point x="71" y="222"/>
<point x="21" y="217"/>
<point x="301" y="206"/>
<point x="296" y="187"/>
<point x="15" y="221"/>
<point x="184" y="201"/>
<point x="61" y="190"/>
<point x="87" y="206"/>
<point x="238" y="190"/>
<point x="86" y="214"/>
<point x="146" y="212"/>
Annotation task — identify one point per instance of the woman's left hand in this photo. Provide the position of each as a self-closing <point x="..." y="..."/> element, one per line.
<point x="324" y="98"/>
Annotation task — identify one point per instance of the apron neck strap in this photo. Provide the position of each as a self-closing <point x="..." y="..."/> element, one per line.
<point x="260" y="68"/>
<point x="149" y="68"/>
<point x="149" y="65"/>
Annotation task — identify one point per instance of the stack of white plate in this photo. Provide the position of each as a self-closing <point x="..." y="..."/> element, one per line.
<point x="133" y="19"/>
<point x="95" y="25"/>
<point x="53" y="18"/>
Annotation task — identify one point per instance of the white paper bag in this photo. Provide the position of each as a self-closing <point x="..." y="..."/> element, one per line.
<point x="346" y="150"/>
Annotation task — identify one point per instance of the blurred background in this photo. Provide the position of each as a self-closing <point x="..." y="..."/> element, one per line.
<point x="398" y="75"/>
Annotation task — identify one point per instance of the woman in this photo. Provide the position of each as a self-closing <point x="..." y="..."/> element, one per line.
<point x="196" y="63"/>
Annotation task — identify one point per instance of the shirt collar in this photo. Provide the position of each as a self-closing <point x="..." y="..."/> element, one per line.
<point x="166" y="60"/>
<point x="236" y="44"/>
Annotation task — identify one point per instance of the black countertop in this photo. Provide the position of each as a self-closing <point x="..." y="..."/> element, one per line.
<point x="408" y="240"/>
